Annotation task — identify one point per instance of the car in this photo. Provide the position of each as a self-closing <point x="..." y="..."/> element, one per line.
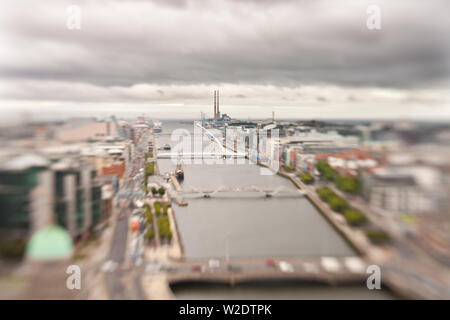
<point x="234" y="268"/>
<point x="213" y="264"/>
<point x="110" y="266"/>
<point x="139" y="203"/>
<point x="197" y="268"/>
<point x="310" y="267"/>
<point x="330" y="264"/>
<point x="271" y="263"/>
<point x="169" y="268"/>
<point x="138" y="261"/>
<point x="153" y="267"/>
<point x="285" y="266"/>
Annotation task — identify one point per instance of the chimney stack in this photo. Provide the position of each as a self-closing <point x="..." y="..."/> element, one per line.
<point x="215" y="111"/>
<point x="218" y="111"/>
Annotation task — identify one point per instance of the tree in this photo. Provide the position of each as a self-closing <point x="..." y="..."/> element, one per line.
<point x="150" y="168"/>
<point x="150" y="234"/>
<point x="148" y="213"/>
<point x="306" y="178"/>
<point x="354" y="217"/>
<point x="157" y="207"/>
<point x="326" y="170"/>
<point x="325" y="193"/>
<point x="337" y="203"/>
<point x="164" y="228"/>
<point x="288" y="168"/>
<point x="377" y="236"/>
<point x="347" y="184"/>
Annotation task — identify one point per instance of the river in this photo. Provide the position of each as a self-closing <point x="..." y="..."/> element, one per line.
<point x="247" y="225"/>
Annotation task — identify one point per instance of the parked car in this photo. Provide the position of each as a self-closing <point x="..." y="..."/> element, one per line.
<point x="234" y="268"/>
<point x="169" y="268"/>
<point x="214" y="264"/>
<point x="197" y="268"/>
<point x="285" y="266"/>
<point x="110" y="266"/>
<point x="271" y="263"/>
<point x="153" y="267"/>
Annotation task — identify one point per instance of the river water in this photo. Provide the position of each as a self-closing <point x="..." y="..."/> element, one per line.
<point x="277" y="291"/>
<point x="248" y="224"/>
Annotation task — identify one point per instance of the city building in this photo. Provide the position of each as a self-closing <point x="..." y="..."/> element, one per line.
<point x="78" y="201"/>
<point x="392" y="192"/>
<point x="26" y="198"/>
<point x="38" y="190"/>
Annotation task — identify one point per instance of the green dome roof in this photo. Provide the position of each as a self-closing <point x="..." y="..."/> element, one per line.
<point x="49" y="243"/>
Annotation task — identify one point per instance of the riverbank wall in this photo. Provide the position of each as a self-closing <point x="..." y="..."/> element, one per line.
<point x="359" y="245"/>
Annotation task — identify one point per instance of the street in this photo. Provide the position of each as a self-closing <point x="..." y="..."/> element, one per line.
<point x="121" y="275"/>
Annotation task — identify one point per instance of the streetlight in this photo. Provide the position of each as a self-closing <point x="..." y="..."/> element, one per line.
<point x="227" y="248"/>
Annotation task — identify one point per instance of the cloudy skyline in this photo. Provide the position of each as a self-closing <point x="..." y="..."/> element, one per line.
<point x="301" y="59"/>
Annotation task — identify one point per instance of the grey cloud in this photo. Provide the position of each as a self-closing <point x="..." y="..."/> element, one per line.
<point x="172" y="3"/>
<point x="250" y="42"/>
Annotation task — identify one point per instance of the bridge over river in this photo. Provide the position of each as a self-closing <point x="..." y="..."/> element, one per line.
<point x="238" y="191"/>
<point x="328" y="270"/>
<point x="201" y="155"/>
<point x="286" y="230"/>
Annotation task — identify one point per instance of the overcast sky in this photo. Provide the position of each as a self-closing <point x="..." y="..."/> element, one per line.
<point x="301" y="59"/>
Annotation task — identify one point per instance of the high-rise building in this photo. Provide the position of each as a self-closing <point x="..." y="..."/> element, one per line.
<point x="36" y="191"/>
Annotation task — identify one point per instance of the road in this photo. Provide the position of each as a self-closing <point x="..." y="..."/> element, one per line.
<point x="117" y="252"/>
<point x="122" y="278"/>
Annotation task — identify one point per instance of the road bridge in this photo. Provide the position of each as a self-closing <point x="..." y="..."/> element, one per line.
<point x="329" y="270"/>
<point x="268" y="192"/>
<point x="200" y="155"/>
